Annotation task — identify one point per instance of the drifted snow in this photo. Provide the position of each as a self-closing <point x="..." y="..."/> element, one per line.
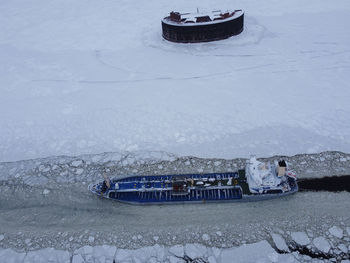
<point x="300" y="238"/>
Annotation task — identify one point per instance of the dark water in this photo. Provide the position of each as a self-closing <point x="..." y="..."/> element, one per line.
<point x="330" y="184"/>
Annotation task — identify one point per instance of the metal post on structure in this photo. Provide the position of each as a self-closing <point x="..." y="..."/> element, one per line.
<point x="108" y="182"/>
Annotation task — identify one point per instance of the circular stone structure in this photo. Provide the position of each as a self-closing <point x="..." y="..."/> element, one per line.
<point x="200" y="27"/>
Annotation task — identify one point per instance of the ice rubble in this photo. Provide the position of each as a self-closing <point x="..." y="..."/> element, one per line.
<point x="55" y="171"/>
<point x="261" y="251"/>
<point x="256" y="252"/>
<point x="32" y="179"/>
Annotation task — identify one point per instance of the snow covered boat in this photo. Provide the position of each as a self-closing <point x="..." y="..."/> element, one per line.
<point x="202" y="27"/>
<point x="259" y="181"/>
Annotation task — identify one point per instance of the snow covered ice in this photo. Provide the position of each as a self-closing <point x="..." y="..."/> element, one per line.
<point x="300" y="238"/>
<point x="98" y="82"/>
<point x="257" y="252"/>
<point x="336" y="231"/>
<point x="79" y="78"/>
<point x="280" y="242"/>
<point x="322" y="244"/>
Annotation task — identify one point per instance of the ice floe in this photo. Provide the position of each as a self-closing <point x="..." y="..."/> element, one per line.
<point x="336" y="231"/>
<point x="47" y="255"/>
<point x="321" y="244"/>
<point x="280" y="242"/>
<point x="300" y="238"/>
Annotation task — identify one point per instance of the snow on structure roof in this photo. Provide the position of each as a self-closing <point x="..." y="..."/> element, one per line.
<point x="201" y="18"/>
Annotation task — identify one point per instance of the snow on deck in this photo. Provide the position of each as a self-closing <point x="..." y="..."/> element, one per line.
<point x="260" y="174"/>
<point x="192" y="17"/>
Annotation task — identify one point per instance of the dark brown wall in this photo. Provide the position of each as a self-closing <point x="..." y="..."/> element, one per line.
<point x="203" y="33"/>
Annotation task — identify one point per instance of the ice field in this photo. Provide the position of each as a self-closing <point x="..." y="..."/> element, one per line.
<point x="88" y="85"/>
<point x="89" y="77"/>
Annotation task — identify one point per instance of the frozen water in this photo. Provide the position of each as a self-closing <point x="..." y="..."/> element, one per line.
<point x="348" y="231"/>
<point x="78" y="259"/>
<point x="343" y="248"/>
<point x="195" y="250"/>
<point x="336" y="231"/>
<point x="77" y="163"/>
<point x="205" y="237"/>
<point x="300" y="238"/>
<point x="177" y="250"/>
<point x="76" y="79"/>
<point x="69" y="206"/>
<point x="280" y="242"/>
<point x="256" y="252"/>
<point x="11" y="256"/>
<point x="321" y="244"/>
<point x="47" y="255"/>
<point x="90" y="81"/>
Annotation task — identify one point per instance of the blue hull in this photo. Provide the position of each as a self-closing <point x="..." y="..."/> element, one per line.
<point x="180" y="189"/>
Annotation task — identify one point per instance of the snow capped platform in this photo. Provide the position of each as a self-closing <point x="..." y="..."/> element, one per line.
<point x="202" y="27"/>
<point x="194" y="19"/>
